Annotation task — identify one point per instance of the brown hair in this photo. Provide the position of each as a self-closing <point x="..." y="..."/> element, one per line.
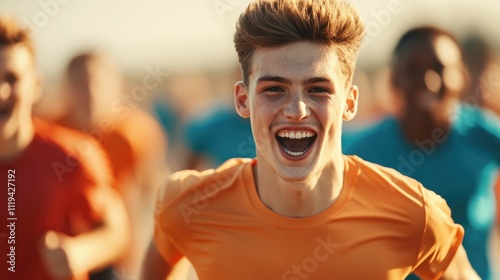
<point x="11" y="33"/>
<point x="274" y="23"/>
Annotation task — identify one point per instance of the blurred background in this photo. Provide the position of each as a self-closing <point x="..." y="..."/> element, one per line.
<point x="189" y="45"/>
<point x="198" y="33"/>
<point x="179" y="64"/>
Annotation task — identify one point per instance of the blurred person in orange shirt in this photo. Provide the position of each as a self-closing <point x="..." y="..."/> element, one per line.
<point x="133" y="140"/>
<point x="65" y="217"/>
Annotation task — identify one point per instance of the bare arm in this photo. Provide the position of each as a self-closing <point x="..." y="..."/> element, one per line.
<point x="66" y="256"/>
<point x="154" y="266"/>
<point x="460" y="268"/>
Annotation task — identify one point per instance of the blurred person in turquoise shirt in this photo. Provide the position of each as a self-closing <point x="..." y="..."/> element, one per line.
<point x="450" y="147"/>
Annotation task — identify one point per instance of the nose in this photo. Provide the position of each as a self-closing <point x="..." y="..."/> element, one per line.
<point x="296" y="109"/>
<point x="5" y="91"/>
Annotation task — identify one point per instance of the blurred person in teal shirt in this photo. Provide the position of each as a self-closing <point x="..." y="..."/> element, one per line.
<point x="450" y="147"/>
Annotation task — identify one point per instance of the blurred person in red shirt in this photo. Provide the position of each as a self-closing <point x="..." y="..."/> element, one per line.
<point x="65" y="218"/>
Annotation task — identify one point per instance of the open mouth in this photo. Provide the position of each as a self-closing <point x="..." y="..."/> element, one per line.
<point x="295" y="143"/>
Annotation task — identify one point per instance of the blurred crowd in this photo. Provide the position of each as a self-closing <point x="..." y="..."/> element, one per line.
<point x="147" y="127"/>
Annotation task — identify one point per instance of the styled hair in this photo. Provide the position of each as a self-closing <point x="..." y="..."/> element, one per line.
<point x="274" y="23"/>
<point x="11" y="33"/>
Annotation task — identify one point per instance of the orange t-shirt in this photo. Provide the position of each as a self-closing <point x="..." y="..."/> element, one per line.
<point x="61" y="182"/>
<point x="132" y="142"/>
<point x="382" y="226"/>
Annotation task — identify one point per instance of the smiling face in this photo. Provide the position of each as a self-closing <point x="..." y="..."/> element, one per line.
<point x="19" y="89"/>
<point x="296" y="99"/>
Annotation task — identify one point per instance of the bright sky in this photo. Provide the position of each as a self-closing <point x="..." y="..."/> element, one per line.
<point x="198" y="33"/>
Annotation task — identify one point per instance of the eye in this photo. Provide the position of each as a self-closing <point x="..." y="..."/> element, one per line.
<point x="319" y="90"/>
<point x="273" y="89"/>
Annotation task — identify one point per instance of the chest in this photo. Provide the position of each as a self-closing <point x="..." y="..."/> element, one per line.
<point x="263" y="251"/>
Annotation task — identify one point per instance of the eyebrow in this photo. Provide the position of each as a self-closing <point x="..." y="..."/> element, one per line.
<point x="287" y="81"/>
<point x="274" y="79"/>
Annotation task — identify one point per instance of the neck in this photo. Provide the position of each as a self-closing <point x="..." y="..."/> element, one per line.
<point x="419" y="127"/>
<point x="12" y="146"/>
<point x="300" y="199"/>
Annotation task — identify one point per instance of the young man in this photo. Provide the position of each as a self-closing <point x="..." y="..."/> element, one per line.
<point x="301" y="209"/>
<point x="453" y="149"/>
<point x="64" y="218"/>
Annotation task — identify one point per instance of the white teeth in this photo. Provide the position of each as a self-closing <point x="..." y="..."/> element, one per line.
<point x="295" y="134"/>
<point x="295" y="154"/>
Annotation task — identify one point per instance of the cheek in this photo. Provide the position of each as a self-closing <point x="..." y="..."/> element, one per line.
<point x="331" y="118"/>
<point x="26" y="91"/>
<point x="262" y="115"/>
<point x="261" y="134"/>
<point x="330" y="111"/>
<point x="264" y="110"/>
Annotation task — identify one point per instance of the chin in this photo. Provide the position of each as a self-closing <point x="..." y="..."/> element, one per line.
<point x="295" y="174"/>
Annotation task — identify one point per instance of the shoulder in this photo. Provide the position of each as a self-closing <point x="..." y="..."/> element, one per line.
<point x="395" y="196"/>
<point x="135" y="141"/>
<point x="139" y="122"/>
<point x="190" y="186"/>
<point x="379" y="132"/>
<point x="480" y="128"/>
<point x="386" y="185"/>
<point x="474" y="119"/>
<point x="386" y="182"/>
<point x="72" y="142"/>
<point x="71" y="150"/>
<point x="377" y="171"/>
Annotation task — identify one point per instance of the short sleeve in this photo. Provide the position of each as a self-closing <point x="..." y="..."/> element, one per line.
<point x="166" y="216"/>
<point x="441" y="238"/>
<point x="163" y="243"/>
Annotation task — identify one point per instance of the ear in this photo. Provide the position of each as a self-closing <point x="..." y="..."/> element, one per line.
<point x="351" y="104"/>
<point x="241" y="99"/>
